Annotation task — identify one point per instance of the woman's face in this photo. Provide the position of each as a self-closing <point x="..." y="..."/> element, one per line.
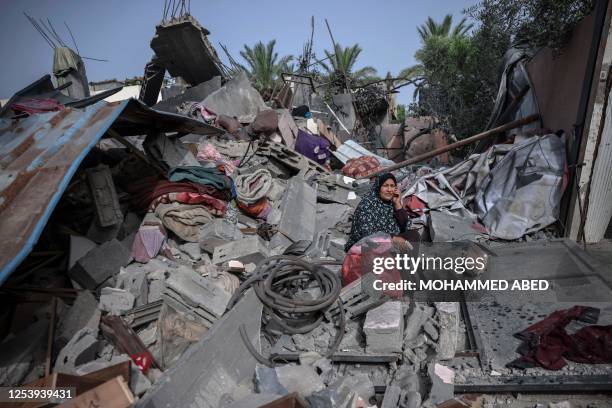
<point x="387" y="190"/>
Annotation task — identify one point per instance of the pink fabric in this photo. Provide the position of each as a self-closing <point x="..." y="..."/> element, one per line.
<point x="148" y="241"/>
<point x="208" y="152"/>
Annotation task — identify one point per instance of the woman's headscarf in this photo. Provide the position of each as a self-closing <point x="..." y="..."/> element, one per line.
<point x="373" y="214"/>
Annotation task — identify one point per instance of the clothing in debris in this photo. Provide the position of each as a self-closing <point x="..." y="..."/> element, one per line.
<point x="201" y="175"/>
<point x="547" y="344"/>
<point x="184" y="220"/>
<point x="145" y="194"/>
<point x="373" y="215"/>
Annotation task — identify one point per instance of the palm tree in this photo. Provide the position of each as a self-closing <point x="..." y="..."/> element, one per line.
<point x="264" y="66"/>
<point x="443" y="29"/>
<point x="342" y="62"/>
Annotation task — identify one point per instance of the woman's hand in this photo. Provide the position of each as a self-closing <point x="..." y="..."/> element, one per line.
<point x="397" y="201"/>
<point x="402" y="244"/>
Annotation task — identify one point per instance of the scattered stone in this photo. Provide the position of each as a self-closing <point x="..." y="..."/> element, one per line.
<point x="442" y="380"/>
<point x="301" y="379"/>
<point x="83" y="313"/>
<point x="135" y="282"/>
<point x="407" y="379"/>
<point x="79" y="247"/>
<point x="420" y="314"/>
<point x="384" y="328"/>
<point x="247" y="250"/>
<point x="430" y="330"/>
<point x="309" y="358"/>
<point x="412" y="400"/>
<point x="192" y="249"/>
<point x="115" y="301"/>
<point x="448" y="320"/>
<point x="266" y="381"/>
<point x="392" y="396"/>
<point x="81" y="349"/>
<point x="100" y="264"/>
<point x="304" y="342"/>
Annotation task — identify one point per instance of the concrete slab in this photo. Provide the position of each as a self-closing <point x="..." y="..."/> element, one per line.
<point x="196" y="94"/>
<point x="251" y="249"/>
<point x="237" y="98"/>
<point x="99" y="264"/>
<point x="384" y="328"/>
<point x="181" y="46"/>
<point x="299" y="209"/>
<point x="222" y="352"/>
<point x="116" y="301"/>
<point x="83" y="313"/>
<point x="81" y="349"/>
<point x="106" y="202"/>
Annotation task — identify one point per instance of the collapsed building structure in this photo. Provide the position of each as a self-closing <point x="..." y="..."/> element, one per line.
<point x="190" y="252"/>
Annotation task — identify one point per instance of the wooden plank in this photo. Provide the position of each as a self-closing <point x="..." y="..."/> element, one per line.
<point x="112" y="394"/>
<point x="108" y="373"/>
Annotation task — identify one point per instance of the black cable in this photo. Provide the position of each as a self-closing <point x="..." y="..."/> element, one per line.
<point x="276" y="281"/>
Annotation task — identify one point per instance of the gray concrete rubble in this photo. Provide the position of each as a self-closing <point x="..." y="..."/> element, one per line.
<point x="384" y="328"/>
<point x="81" y="349"/>
<point x="445" y="227"/>
<point x="218" y="232"/>
<point x="104" y="195"/>
<point x="134" y="282"/>
<point x="221" y="351"/>
<point x="246" y="250"/>
<point x="100" y="264"/>
<point x="237" y="98"/>
<point x="83" y="313"/>
<point x="116" y="301"/>
<point x="301" y="379"/>
<point x="448" y="319"/>
<point x="197" y="296"/>
<point x="442" y="383"/>
<point x="266" y="381"/>
<point x="298" y="211"/>
<point x="195" y="93"/>
<point x="79" y="246"/>
<point x="139" y="383"/>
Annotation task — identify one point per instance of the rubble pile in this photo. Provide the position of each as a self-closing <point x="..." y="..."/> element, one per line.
<point x="196" y="255"/>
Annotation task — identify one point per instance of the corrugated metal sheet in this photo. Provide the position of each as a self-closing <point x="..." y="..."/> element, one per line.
<point x="40" y="154"/>
<point x="599" y="204"/>
<point x="352" y="150"/>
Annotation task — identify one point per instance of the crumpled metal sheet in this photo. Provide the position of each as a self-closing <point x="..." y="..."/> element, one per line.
<point x="523" y="192"/>
<point x="512" y="189"/>
<point x="40" y="154"/>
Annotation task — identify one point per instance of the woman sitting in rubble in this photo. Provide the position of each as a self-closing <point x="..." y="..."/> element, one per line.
<point x="380" y="210"/>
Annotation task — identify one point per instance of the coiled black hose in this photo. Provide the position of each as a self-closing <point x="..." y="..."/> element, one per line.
<point x="276" y="281"/>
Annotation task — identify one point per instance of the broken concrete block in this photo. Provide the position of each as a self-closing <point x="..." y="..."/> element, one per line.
<point x="384" y="328"/>
<point x="199" y="297"/>
<point x="444" y="227"/>
<point x="266" y="381"/>
<point x="99" y="264"/>
<point x="217" y="232"/>
<point x="192" y="249"/>
<point x="448" y="321"/>
<point x="81" y="349"/>
<point x="442" y="383"/>
<point x="237" y="98"/>
<point x="104" y="195"/>
<point x="100" y="234"/>
<point x="419" y="316"/>
<point x="301" y="379"/>
<point x="407" y="379"/>
<point x="108" y="211"/>
<point x="299" y="208"/>
<point x="79" y="246"/>
<point x="252" y="249"/>
<point x="135" y="282"/>
<point x="115" y="301"/>
<point x="83" y="313"/>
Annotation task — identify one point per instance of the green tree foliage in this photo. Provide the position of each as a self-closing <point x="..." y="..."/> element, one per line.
<point x="342" y="63"/>
<point x="443" y="29"/>
<point x="400" y="112"/>
<point x="264" y="66"/>
<point x="535" y="23"/>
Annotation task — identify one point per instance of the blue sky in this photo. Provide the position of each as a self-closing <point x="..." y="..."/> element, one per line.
<point x="120" y="31"/>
